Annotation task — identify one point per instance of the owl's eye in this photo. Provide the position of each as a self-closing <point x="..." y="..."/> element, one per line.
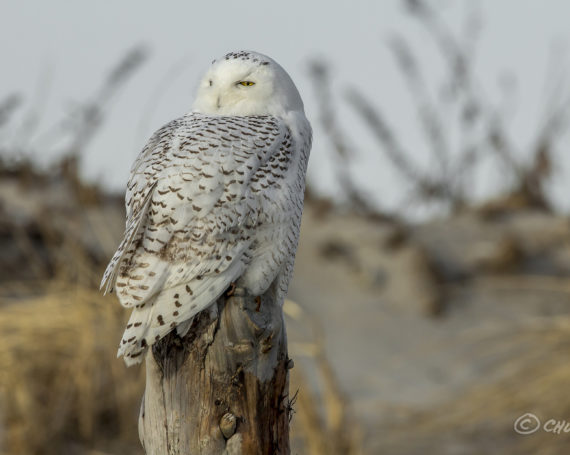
<point x="246" y="83"/>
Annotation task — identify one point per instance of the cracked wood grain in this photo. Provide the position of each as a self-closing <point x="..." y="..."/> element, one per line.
<point x="223" y="387"/>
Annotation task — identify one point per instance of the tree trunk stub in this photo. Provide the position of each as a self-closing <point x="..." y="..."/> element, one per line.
<point x="223" y="387"/>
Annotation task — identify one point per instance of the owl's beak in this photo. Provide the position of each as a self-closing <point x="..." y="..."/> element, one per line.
<point x="219" y="103"/>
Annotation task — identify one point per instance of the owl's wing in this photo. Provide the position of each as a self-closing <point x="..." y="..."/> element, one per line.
<point x="136" y="207"/>
<point x="194" y="197"/>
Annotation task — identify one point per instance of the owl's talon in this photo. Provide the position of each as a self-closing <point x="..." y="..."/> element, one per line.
<point x="232" y="290"/>
<point x="258" y="304"/>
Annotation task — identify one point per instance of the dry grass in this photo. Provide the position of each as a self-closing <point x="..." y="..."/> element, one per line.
<point x="63" y="391"/>
<point x="60" y="384"/>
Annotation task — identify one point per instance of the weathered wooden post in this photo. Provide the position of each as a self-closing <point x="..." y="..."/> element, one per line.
<point x="223" y="388"/>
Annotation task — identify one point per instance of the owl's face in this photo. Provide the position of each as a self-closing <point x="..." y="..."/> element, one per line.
<point x="247" y="83"/>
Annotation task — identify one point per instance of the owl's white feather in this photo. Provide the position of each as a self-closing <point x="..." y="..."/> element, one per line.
<point x="215" y="197"/>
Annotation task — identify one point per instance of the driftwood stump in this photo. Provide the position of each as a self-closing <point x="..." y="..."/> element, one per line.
<point x="223" y="388"/>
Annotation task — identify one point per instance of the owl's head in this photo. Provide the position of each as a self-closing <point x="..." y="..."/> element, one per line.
<point x="247" y="83"/>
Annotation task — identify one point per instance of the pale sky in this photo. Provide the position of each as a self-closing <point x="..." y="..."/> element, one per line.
<point x="67" y="47"/>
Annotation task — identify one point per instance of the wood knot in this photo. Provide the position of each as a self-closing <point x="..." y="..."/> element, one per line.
<point x="228" y="425"/>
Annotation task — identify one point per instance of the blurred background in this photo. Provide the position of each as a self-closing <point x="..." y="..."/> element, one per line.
<point x="430" y="304"/>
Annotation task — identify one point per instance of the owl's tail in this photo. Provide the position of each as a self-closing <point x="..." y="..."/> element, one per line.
<point x="172" y="308"/>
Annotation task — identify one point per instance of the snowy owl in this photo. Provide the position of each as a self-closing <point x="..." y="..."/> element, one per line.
<point x="214" y="199"/>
